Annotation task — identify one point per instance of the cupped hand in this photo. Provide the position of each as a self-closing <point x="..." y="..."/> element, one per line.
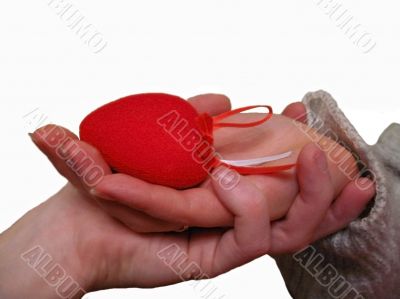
<point x="70" y="157"/>
<point x="99" y="252"/>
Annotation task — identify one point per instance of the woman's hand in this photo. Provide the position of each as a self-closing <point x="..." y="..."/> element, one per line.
<point x="98" y="252"/>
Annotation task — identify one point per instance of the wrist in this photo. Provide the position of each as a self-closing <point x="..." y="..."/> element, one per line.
<point x="20" y="277"/>
<point x="33" y="265"/>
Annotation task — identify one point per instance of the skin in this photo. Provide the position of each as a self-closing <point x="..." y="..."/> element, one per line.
<point x="99" y="252"/>
<point x="281" y="134"/>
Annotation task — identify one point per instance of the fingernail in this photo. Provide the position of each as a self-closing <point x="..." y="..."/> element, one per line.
<point x="32" y="137"/>
<point x="321" y="162"/>
<point x="226" y="177"/>
<point x="364" y="183"/>
<point x="94" y="192"/>
<point x="182" y="229"/>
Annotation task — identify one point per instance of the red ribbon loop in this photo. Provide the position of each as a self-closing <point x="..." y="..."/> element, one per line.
<point x="208" y="124"/>
<point x="218" y="118"/>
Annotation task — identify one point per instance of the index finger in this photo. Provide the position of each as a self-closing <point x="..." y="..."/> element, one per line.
<point x="192" y="207"/>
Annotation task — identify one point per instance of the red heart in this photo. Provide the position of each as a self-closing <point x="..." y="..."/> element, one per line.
<point x="150" y="136"/>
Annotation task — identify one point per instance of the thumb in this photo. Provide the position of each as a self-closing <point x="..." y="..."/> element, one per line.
<point x="250" y="236"/>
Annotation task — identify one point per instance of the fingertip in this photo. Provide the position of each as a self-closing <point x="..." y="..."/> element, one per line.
<point x="224" y="179"/>
<point x="94" y="192"/>
<point x="113" y="183"/>
<point x="366" y="185"/>
<point x="38" y="137"/>
<point x="211" y="103"/>
<point x="359" y="193"/>
<point x="312" y="161"/>
<point x="73" y="158"/>
<point x="46" y="130"/>
<point x="33" y="138"/>
<point x="296" y="111"/>
<point x="309" y="152"/>
<point x="349" y="205"/>
<point x="49" y="137"/>
<point x="237" y="192"/>
<point x="313" y="175"/>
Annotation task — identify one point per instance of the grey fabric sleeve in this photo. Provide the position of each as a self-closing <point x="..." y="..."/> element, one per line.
<point x="362" y="260"/>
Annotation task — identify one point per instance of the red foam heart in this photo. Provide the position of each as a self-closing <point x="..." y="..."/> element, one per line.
<point x="149" y="137"/>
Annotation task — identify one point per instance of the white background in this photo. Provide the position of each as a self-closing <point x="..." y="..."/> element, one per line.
<point x="256" y="52"/>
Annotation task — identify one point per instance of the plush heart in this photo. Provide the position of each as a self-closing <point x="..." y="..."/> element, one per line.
<point x="150" y="136"/>
<point x="162" y="139"/>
